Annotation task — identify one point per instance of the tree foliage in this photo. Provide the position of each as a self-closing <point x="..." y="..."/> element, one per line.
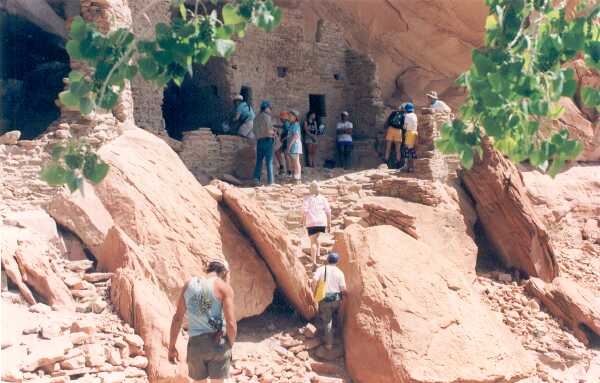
<point x="116" y="57"/>
<point x="517" y="79"/>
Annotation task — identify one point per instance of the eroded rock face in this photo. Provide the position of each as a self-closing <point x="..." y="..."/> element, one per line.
<point x="411" y="316"/>
<point x="578" y="307"/>
<point x="272" y="241"/>
<point x="507" y="215"/>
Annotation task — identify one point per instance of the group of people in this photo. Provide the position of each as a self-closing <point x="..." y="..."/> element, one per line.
<point x="288" y="139"/>
<point x="208" y="301"/>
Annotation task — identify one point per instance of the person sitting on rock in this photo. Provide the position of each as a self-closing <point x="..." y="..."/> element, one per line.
<point x="243" y="117"/>
<point x="409" y="152"/>
<point x="316" y="217"/>
<point x="208" y="302"/>
<point x="335" y="289"/>
<point x="436" y="104"/>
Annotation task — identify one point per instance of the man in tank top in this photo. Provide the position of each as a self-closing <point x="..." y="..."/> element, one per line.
<point x="208" y="302"/>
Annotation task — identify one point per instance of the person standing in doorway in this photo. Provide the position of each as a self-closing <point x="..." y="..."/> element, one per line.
<point x="410" y="139"/>
<point x="335" y="289"/>
<point x="208" y="302"/>
<point x="311" y="131"/>
<point x="316" y="218"/>
<point x="243" y="117"/>
<point x="344" y="141"/>
<point x="436" y="104"/>
<point x="295" y="145"/>
<point x="394" y="135"/>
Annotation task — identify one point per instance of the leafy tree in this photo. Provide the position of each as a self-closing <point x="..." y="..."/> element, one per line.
<point x="117" y="56"/>
<point x="517" y="79"/>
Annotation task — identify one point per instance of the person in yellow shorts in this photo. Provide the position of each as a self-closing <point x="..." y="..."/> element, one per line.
<point x="394" y="135"/>
<point x="409" y="151"/>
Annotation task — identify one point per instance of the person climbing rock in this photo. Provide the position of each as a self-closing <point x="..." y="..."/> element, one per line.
<point x="295" y="144"/>
<point x="437" y="104"/>
<point x="409" y="152"/>
<point x="395" y="135"/>
<point x="316" y="217"/>
<point x="208" y="302"/>
<point x="344" y="141"/>
<point x="265" y="138"/>
<point x="331" y="304"/>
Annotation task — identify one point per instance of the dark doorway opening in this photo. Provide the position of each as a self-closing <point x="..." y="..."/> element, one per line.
<point x="33" y="64"/>
<point x="317" y="104"/>
<point x="246" y="92"/>
<point x="191" y="106"/>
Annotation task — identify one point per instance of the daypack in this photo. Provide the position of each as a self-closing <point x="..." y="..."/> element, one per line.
<point x="397" y="120"/>
<point x="321" y="288"/>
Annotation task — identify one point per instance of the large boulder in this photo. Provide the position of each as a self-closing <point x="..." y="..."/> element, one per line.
<point x="507" y="215"/>
<point x="411" y="316"/>
<point x="575" y="305"/>
<point x="273" y="242"/>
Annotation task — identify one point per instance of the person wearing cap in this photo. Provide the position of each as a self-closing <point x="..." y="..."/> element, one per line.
<point x="208" y="303"/>
<point x="316" y="218"/>
<point x="243" y="116"/>
<point x="436" y="104"/>
<point x="344" y="140"/>
<point x="395" y="135"/>
<point x="295" y="144"/>
<point x="265" y="138"/>
<point x="335" y="289"/>
<point x="409" y="152"/>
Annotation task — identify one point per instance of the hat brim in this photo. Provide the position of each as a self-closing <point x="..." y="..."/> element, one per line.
<point x="430" y="95"/>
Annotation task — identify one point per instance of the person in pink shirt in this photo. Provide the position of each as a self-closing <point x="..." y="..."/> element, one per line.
<point x="316" y="218"/>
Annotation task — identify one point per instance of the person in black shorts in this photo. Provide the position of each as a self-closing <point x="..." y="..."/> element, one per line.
<point x="316" y="218"/>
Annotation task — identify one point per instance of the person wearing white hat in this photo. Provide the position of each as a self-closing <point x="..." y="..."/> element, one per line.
<point x="208" y="302"/>
<point x="344" y="140"/>
<point x="436" y="104"/>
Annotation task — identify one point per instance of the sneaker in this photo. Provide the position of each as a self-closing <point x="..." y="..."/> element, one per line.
<point x="257" y="183"/>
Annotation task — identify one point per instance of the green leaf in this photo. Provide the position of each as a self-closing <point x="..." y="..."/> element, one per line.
<point x="183" y="10"/>
<point x="78" y="28"/>
<point x="68" y="99"/>
<point x="93" y="169"/>
<point x="555" y="167"/>
<point x="74" y="50"/>
<point x="556" y="111"/>
<point x="569" y="88"/>
<point x="466" y="157"/>
<point x="54" y="174"/>
<point x="75" y="76"/>
<point x="86" y="106"/>
<point x="224" y="48"/>
<point x="71" y="180"/>
<point x="231" y="15"/>
<point x="57" y="151"/>
<point x="74" y="160"/>
<point x="590" y="96"/>
<point x="148" y="68"/>
<point x="109" y="100"/>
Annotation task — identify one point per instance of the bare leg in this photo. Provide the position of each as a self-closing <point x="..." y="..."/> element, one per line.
<point x="398" y="146"/>
<point x="297" y="168"/>
<point x="314" y="247"/>
<point x="388" y="149"/>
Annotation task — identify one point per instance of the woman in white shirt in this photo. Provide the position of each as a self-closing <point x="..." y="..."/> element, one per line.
<point x="316" y="218"/>
<point x="409" y="151"/>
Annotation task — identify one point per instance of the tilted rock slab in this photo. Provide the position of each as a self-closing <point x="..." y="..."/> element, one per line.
<point x="411" y="316"/>
<point x="273" y="243"/>
<point x="506" y="212"/>
<point x="575" y="305"/>
<point x="166" y="227"/>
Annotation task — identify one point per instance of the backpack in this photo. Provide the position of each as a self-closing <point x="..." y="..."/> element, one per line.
<point x="321" y="288"/>
<point x="397" y="120"/>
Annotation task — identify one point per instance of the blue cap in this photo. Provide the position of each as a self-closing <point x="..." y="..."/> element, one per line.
<point x="265" y="104"/>
<point x="333" y="257"/>
<point x="409" y="107"/>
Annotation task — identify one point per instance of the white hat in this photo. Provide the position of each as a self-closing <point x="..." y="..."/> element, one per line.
<point x="401" y="107"/>
<point x="295" y="113"/>
<point x="345" y="113"/>
<point x="432" y="94"/>
<point x="238" y="97"/>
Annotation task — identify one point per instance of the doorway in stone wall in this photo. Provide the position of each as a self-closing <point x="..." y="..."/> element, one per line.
<point x="316" y="103"/>
<point x="192" y="106"/>
<point x="33" y="64"/>
<point x="246" y="92"/>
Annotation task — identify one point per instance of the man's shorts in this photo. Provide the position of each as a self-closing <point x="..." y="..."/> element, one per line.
<point x="205" y="359"/>
<point x="394" y="135"/>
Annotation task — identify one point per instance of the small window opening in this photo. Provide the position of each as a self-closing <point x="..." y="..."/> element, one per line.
<point x="317" y="104"/>
<point x="337" y="76"/>
<point x="282" y="71"/>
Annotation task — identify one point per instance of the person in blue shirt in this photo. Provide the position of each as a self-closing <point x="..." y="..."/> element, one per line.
<point x="208" y="302"/>
<point x="243" y="117"/>
<point x="295" y="144"/>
